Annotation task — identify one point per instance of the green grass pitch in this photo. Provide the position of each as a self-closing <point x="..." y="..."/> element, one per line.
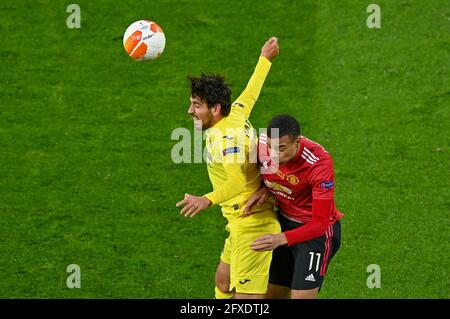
<point x="86" y="175"/>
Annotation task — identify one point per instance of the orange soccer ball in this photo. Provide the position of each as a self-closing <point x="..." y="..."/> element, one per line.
<point x="144" y="40"/>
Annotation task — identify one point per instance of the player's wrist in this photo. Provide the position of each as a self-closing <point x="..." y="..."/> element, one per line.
<point x="290" y="237"/>
<point x="283" y="240"/>
<point x="208" y="202"/>
<point x="266" y="57"/>
<point x="262" y="191"/>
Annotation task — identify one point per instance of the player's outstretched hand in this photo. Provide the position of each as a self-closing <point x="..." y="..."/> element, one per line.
<point x="269" y="242"/>
<point x="193" y="205"/>
<point x="270" y="49"/>
<point x="258" y="198"/>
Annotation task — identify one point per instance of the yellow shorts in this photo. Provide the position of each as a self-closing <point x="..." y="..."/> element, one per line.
<point x="249" y="270"/>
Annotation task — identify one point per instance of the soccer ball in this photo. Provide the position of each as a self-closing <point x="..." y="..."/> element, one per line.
<point x="144" y="40"/>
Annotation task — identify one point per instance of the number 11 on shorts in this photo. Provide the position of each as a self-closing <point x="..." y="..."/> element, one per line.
<point x="311" y="260"/>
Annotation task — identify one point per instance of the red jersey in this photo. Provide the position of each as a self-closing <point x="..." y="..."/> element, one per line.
<point x="309" y="175"/>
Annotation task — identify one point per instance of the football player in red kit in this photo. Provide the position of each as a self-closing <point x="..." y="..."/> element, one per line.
<point x="303" y="186"/>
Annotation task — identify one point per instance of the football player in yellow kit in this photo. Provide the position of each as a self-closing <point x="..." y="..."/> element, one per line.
<point x="230" y="142"/>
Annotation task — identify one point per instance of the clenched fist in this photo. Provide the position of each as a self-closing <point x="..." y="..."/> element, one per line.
<point x="270" y="49"/>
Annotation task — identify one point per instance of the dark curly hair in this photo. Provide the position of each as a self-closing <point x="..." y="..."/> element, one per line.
<point x="213" y="90"/>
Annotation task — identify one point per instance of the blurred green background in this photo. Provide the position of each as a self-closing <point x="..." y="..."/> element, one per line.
<point x="86" y="175"/>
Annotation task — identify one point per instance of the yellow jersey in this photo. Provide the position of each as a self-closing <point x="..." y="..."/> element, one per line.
<point x="231" y="156"/>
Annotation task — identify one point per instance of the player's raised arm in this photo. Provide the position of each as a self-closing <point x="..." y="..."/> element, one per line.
<point x="251" y="93"/>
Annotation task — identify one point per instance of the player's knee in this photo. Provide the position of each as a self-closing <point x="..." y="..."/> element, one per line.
<point x="223" y="284"/>
<point x="223" y="278"/>
<point x="219" y="294"/>
<point x="277" y="292"/>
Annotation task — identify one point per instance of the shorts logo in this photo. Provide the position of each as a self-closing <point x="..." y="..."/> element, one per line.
<point x="327" y="185"/>
<point x="230" y="150"/>
<point x="310" y="278"/>
<point x="244" y="281"/>
<point x="292" y="179"/>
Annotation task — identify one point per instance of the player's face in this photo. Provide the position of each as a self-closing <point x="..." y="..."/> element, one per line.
<point x="201" y="113"/>
<point x="284" y="148"/>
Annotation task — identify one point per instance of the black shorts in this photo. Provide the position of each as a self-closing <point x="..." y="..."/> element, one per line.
<point x="303" y="266"/>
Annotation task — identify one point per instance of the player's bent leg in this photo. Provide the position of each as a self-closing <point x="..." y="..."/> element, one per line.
<point x="311" y="262"/>
<point x="222" y="289"/>
<point x="250" y="269"/>
<point x="305" y="294"/>
<point x="219" y="294"/>
<point x="277" y="292"/>
<point x="281" y="272"/>
<point x="222" y="280"/>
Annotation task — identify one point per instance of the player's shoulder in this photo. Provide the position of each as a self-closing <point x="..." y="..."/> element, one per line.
<point x="238" y="110"/>
<point x="229" y="132"/>
<point x="314" y="153"/>
<point x="237" y="105"/>
<point x="318" y="162"/>
<point x="235" y="120"/>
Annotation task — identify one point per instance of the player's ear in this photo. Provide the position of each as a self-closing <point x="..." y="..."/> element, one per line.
<point x="217" y="109"/>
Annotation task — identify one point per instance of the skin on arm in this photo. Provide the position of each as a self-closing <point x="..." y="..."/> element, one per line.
<point x="248" y="97"/>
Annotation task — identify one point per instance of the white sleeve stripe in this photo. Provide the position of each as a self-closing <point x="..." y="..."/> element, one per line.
<point x="307" y="159"/>
<point x="310" y="153"/>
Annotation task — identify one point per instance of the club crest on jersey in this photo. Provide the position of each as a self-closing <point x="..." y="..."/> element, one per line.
<point x="230" y="150"/>
<point x="291" y="178"/>
<point x="327" y="185"/>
